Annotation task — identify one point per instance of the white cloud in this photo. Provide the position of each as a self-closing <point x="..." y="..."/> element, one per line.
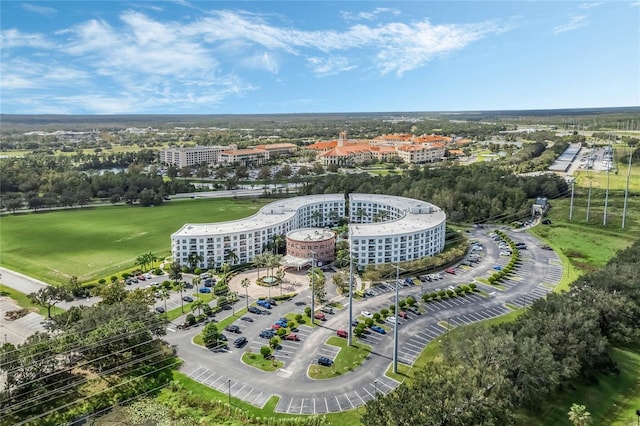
<point x="40" y="10"/>
<point x="329" y="66"/>
<point x="13" y="38"/>
<point x="590" y="5"/>
<point x="264" y="61"/>
<point x="574" y="23"/>
<point x="140" y="63"/>
<point x="369" y="16"/>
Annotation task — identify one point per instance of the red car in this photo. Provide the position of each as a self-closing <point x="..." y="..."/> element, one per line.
<point x="293" y="337"/>
<point x="320" y="316"/>
<point x="141" y="277"/>
<point x="402" y="314"/>
<point x="276" y="326"/>
<point x="342" y="333"/>
<point x="450" y="271"/>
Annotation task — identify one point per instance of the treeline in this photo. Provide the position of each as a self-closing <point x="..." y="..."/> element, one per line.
<point x="43" y="182"/>
<point x="93" y="358"/>
<point x="490" y="373"/>
<point x="471" y="194"/>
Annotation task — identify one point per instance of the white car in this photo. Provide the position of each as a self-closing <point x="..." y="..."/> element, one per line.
<point x="366" y="314"/>
<point x="505" y="253"/>
<point x="391" y="320"/>
<point x="148" y="276"/>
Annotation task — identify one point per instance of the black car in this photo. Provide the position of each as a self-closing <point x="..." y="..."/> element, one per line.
<point x="160" y="309"/>
<point x="240" y="341"/>
<point x="267" y="334"/>
<point x="247" y="319"/>
<point x="233" y="328"/>
<point x="323" y="360"/>
<point x="222" y="337"/>
<point x="187" y="299"/>
<point x="254" y="310"/>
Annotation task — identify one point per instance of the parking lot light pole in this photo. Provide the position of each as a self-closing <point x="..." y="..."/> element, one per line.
<point x="395" y="325"/>
<point x="313" y="289"/>
<point x="229" y="384"/>
<point x="375" y="388"/>
<point x="350" y="331"/>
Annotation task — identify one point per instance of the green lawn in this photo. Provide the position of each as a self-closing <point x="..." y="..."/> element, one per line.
<point x="258" y="361"/>
<point x="97" y="242"/>
<point x="348" y="359"/>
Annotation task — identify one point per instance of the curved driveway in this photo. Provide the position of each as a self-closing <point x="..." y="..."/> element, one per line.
<point x="538" y="273"/>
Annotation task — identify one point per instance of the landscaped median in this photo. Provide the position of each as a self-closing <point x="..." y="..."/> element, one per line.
<point x="348" y="359"/>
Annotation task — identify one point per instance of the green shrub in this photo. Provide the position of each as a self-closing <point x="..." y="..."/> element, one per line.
<point x="102" y="281"/>
<point x="298" y="317"/>
<point x="265" y="351"/>
<point x="274" y="342"/>
<point x="185" y="269"/>
<point x="426" y="297"/>
<point x="281" y="332"/>
<point x="125" y="275"/>
<point x="368" y="322"/>
<point x="473" y="286"/>
<point x="411" y="301"/>
<point x="307" y="311"/>
<point x="376" y="316"/>
<point x="113" y="278"/>
<point x="157" y="271"/>
<point x="451" y="293"/>
<point x="197" y="271"/>
<point x="191" y="319"/>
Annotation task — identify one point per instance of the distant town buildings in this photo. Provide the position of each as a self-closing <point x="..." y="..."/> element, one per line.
<point x="405" y="147"/>
<point x="230" y="154"/>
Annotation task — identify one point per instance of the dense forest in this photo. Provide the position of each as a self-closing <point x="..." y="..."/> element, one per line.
<point x="471" y="194"/>
<point x="489" y="373"/>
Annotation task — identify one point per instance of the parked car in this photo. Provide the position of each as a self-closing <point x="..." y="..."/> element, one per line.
<point x="240" y="341"/>
<point x="498" y="268"/>
<point x="366" y="314"/>
<point x="450" y="271"/>
<point x="267" y="334"/>
<point x="254" y="310"/>
<point x="160" y="309"/>
<point x="414" y="310"/>
<point x="187" y="299"/>
<point x="391" y="320"/>
<point x="276" y="327"/>
<point x="369" y="293"/>
<point x="320" y="316"/>
<point x="247" y="319"/>
<point x="282" y="322"/>
<point x="342" y="333"/>
<point x="323" y="360"/>
<point x="148" y="276"/>
<point x="263" y="303"/>
<point x="403" y="315"/>
<point x="204" y="290"/>
<point x="327" y="310"/>
<point x="141" y="277"/>
<point x="233" y="329"/>
<point x="292" y="337"/>
<point x="378" y="329"/>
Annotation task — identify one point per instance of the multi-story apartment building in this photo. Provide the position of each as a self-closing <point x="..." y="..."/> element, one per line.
<point x="191" y="156"/>
<point x="383" y="229"/>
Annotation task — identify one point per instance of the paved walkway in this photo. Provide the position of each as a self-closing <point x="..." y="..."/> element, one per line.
<point x="294" y="282"/>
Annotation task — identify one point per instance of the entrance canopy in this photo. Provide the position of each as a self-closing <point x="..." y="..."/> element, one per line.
<point x="289" y="261"/>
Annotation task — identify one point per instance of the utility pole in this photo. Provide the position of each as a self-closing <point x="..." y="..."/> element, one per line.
<point x="589" y="199"/>
<point x="571" y="205"/>
<point x="606" y="200"/>
<point x="395" y="325"/>
<point x="626" y="192"/>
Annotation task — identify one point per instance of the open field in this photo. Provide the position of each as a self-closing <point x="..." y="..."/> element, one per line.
<point x="96" y="242"/>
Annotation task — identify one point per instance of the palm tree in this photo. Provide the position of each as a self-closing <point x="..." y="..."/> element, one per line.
<point x="196" y="281"/>
<point x="360" y="213"/>
<point x="231" y="257"/>
<point x="258" y="262"/>
<point x="194" y="260"/>
<point x="579" y="416"/>
<point x="142" y="261"/>
<point x="280" y="277"/>
<point x="197" y="304"/>
<point x="164" y="295"/>
<point x="277" y="242"/>
<point x="151" y="258"/>
<point x="272" y="261"/>
<point x="317" y="216"/>
<point x="180" y="286"/>
<point x="175" y="272"/>
<point x="333" y="216"/>
<point x="225" y="271"/>
<point x="245" y="284"/>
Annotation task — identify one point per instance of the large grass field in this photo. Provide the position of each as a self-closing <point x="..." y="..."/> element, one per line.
<point x="96" y="242"/>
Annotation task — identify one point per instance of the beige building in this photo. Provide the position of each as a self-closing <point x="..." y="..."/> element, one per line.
<point x="191" y="156"/>
<point x="245" y="157"/>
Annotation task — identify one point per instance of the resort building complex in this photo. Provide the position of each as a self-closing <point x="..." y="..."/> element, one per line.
<point x="230" y="154"/>
<point x="382" y="229"/>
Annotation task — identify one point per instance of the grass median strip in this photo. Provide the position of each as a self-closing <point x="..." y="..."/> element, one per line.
<point x="348" y="359"/>
<point x="258" y="361"/>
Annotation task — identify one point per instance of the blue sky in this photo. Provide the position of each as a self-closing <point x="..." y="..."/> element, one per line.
<point x="189" y="57"/>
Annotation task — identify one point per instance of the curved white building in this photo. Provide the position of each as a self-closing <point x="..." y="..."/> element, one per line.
<point x="383" y="229"/>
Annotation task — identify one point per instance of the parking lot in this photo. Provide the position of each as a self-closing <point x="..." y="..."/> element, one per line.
<point x="535" y="276"/>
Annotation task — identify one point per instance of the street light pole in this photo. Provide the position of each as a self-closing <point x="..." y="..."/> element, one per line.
<point x="229" y="383"/>
<point x="375" y="388"/>
<point x="313" y="289"/>
<point x="350" y="331"/>
<point x="395" y="325"/>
